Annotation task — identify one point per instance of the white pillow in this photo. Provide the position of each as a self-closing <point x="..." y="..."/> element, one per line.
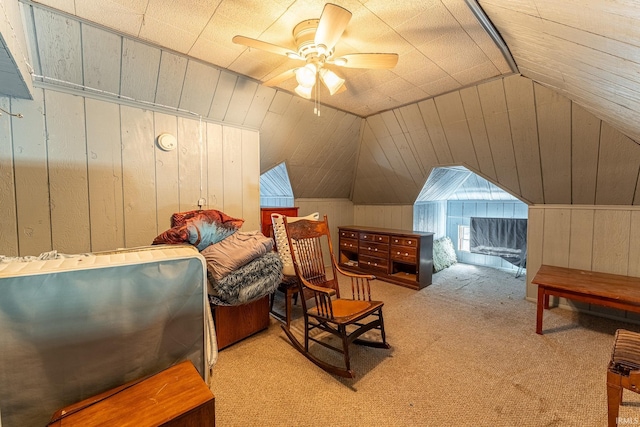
<point x="282" y="244"/>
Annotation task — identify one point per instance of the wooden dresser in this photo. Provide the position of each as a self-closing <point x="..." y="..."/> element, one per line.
<point x="265" y="217"/>
<point x="402" y="257"/>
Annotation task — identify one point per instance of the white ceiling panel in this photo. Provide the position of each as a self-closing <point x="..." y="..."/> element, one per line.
<point x="438" y="41"/>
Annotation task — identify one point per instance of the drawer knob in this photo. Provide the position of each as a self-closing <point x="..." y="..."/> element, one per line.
<point x="406" y="253"/>
<point x="409" y="241"/>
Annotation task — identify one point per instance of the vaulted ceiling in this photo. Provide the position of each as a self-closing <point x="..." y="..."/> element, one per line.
<point x="441" y="44"/>
<point x="561" y="130"/>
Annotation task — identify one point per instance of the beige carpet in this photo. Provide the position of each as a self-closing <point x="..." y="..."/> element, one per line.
<point x="464" y="353"/>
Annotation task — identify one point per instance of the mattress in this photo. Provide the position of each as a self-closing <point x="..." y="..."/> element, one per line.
<point x="74" y="326"/>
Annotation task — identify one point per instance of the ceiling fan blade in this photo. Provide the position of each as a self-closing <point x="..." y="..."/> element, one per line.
<point x="274" y="81"/>
<point x="367" y="60"/>
<point x="259" y="44"/>
<point x="333" y="21"/>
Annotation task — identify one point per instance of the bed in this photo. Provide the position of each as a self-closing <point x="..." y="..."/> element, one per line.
<point x="73" y="326"/>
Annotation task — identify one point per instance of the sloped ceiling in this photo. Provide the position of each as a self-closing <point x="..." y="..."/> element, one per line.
<point x="588" y="51"/>
<point x="441" y="44"/>
<point x="564" y="131"/>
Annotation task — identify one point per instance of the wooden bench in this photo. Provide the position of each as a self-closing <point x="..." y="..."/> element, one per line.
<point x="609" y="290"/>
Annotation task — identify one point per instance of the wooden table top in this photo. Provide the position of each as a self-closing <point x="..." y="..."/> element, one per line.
<point x="615" y="286"/>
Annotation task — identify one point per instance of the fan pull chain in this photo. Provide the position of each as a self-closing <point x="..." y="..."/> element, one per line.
<point x="316" y="106"/>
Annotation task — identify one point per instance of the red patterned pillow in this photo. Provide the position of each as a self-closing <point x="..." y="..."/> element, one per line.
<point x="199" y="228"/>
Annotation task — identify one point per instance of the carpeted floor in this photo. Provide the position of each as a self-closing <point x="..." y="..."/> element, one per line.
<point x="464" y="353"/>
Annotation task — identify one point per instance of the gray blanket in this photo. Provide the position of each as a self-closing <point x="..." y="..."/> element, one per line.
<point x="248" y="283"/>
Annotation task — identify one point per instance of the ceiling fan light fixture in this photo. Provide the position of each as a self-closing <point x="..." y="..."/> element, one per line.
<point x="340" y="62"/>
<point x="331" y="80"/>
<point x="304" y="91"/>
<point x="306" y="76"/>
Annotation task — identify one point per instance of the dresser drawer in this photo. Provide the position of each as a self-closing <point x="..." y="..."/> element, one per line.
<point x="374" y="263"/>
<point x="349" y="244"/>
<point x="403" y="253"/>
<point x="374" y="249"/>
<point x="380" y="238"/>
<point x="349" y="234"/>
<point x="404" y="241"/>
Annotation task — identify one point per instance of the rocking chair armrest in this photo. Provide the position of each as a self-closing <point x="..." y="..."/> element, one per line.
<point x="316" y="288"/>
<point x="355" y="275"/>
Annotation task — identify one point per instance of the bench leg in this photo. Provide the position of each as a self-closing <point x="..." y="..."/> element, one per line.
<point x="614" y="398"/>
<point x="542" y="298"/>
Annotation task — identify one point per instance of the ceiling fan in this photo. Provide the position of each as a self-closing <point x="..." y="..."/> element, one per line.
<point x="315" y="41"/>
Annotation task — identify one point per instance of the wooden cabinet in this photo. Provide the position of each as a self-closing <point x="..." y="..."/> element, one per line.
<point x="237" y="322"/>
<point x="402" y="257"/>
<point x="265" y="217"/>
<point x="176" y="397"/>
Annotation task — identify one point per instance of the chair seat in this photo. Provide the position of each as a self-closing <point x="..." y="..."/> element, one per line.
<point x="623" y="371"/>
<point x="345" y="310"/>
<point x="625" y="355"/>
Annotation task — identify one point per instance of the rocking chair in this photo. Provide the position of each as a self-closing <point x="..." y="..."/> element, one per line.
<point x="344" y="318"/>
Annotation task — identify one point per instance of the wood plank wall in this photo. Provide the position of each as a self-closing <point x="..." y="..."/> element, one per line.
<point x="81" y="174"/>
<point x="320" y="151"/>
<point x="384" y="216"/>
<point x="527" y="139"/>
<point x="594" y="238"/>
